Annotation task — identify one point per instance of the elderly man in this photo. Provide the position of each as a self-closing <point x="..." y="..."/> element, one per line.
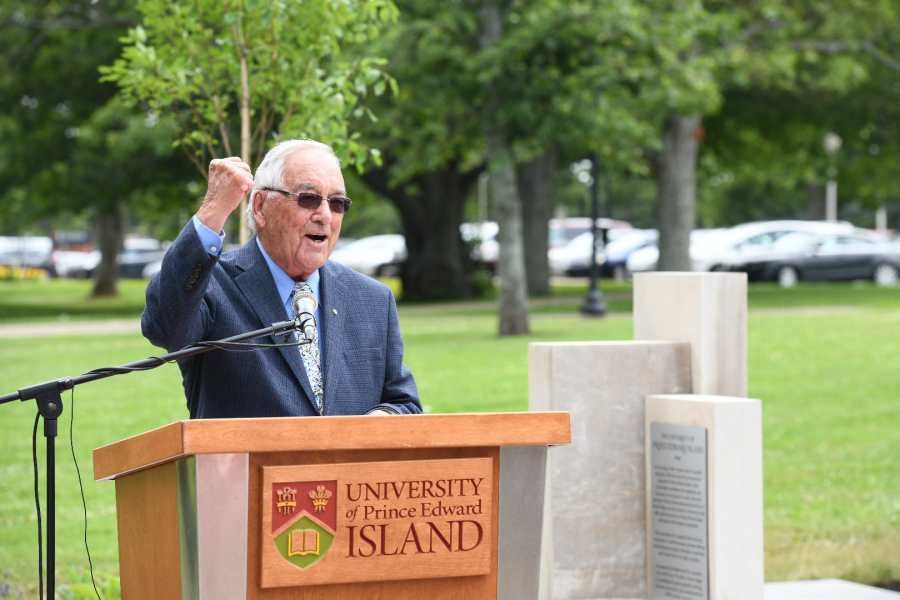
<point x="355" y="363"/>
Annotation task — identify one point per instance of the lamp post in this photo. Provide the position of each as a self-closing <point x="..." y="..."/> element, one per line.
<point x="832" y="143"/>
<point x="593" y="302"/>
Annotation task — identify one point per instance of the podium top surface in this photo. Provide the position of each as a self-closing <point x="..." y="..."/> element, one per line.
<point x="303" y="434"/>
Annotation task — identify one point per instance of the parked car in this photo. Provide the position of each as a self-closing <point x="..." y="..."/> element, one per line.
<point x="136" y="259"/>
<point x="75" y="264"/>
<point x="29" y="252"/>
<point x="136" y="254"/>
<point x="646" y="258"/>
<point x="563" y="231"/>
<point x="719" y="249"/>
<point x="617" y="252"/>
<point x="376" y="256"/>
<point x="811" y="256"/>
<point x="574" y="258"/>
<point x="482" y="238"/>
<point x="742" y="242"/>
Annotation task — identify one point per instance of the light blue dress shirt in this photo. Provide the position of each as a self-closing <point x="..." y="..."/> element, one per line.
<point x="213" y="242"/>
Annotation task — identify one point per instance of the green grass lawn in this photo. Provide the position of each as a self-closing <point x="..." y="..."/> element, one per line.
<point x="66" y="299"/>
<point x="825" y="360"/>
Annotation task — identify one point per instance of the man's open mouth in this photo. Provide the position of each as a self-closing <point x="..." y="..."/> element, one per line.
<point x="316" y="237"/>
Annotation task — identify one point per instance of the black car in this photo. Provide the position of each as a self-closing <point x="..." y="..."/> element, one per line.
<point x="804" y="256"/>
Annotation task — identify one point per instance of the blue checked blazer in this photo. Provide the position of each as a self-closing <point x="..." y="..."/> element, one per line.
<point x="197" y="297"/>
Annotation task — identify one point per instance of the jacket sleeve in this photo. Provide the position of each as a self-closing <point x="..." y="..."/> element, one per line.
<point x="177" y="313"/>
<point x="399" y="394"/>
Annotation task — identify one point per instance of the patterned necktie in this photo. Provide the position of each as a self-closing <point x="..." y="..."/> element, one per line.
<point x="310" y="355"/>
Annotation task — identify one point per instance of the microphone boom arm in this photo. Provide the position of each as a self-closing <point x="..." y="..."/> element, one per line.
<point x="67" y="383"/>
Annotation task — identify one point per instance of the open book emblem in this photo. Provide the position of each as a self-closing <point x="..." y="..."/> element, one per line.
<point x="303" y="542"/>
<point x="304" y="520"/>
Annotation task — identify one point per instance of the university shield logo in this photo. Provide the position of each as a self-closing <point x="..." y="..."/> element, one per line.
<point x="304" y="520"/>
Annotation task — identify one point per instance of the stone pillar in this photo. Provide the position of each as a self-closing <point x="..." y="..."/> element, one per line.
<point x="734" y="486"/>
<point x="707" y="310"/>
<point x="595" y="516"/>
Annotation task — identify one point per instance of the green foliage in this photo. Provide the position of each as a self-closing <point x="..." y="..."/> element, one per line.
<point x="83" y="588"/>
<point x="72" y="150"/>
<point x="191" y="61"/>
<point x="49" y="90"/>
<point x="802" y="69"/>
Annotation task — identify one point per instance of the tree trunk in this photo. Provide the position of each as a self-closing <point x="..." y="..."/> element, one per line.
<point x="110" y="227"/>
<point x="243" y="227"/>
<point x="677" y="191"/>
<point x="504" y="193"/>
<point x="536" y="186"/>
<point x="437" y="264"/>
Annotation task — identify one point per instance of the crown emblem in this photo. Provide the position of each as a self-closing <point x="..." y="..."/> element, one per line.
<point x="287" y="501"/>
<point x="320" y="498"/>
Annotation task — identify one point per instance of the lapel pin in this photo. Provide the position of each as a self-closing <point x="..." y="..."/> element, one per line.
<point x="334" y="310"/>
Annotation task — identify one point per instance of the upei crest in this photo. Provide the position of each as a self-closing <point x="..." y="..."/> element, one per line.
<point x="304" y="520"/>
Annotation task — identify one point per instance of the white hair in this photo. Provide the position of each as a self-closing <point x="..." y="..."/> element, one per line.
<point x="270" y="172"/>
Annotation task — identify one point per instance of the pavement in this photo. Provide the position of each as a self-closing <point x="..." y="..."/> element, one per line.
<point x="71" y="328"/>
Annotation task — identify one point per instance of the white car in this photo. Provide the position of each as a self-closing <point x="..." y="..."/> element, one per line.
<point x="482" y="237"/>
<point x="721" y="249"/>
<point x="375" y="256"/>
<point x="76" y="264"/>
<point x="646" y="258"/>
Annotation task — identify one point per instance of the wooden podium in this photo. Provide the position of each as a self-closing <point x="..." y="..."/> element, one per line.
<point x="404" y="507"/>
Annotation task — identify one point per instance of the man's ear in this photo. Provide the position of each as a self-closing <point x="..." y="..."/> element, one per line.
<point x="259" y="198"/>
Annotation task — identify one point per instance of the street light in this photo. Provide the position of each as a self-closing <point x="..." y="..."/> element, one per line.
<point x="832" y="143"/>
<point x="593" y="302"/>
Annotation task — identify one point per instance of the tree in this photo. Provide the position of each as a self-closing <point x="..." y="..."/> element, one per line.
<point x="524" y="90"/>
<point x="764" y="152"/>
<point x="503" y="185"/>
<point x="720" y="49"/>
<point x="55" y="114"/>
<point x="428" y="134"/>
<point x="253" y="71"/>
<point x="123" y="161"/>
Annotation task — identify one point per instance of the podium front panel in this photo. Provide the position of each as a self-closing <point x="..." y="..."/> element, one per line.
<point x="358" y="522"/>
<point x="394" y="583"/>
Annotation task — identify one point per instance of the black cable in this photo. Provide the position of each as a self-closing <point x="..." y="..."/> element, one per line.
<point x="87" y="548"/>
<point x="229" y="346"/>
<point x="37" y="502"/>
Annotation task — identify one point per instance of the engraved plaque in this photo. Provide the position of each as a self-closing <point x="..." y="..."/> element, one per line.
<point x="679" y="535"/>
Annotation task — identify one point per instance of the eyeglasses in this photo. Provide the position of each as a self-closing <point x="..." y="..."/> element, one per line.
<point x="311" y="200"/>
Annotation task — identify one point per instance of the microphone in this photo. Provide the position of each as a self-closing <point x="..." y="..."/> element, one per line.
<point x="305" y="303"/>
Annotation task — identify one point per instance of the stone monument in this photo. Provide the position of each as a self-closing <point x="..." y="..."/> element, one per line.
<point x="690" y="338"/>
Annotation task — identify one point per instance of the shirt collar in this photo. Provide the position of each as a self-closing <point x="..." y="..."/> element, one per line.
<point x="283" y="281"/>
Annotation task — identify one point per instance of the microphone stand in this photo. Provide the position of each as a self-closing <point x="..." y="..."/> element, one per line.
<point x="49" y="401"/>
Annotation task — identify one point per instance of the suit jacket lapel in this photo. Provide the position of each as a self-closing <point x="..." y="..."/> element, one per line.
<point x="258" y="287"/>
<point x="332" y="326"/>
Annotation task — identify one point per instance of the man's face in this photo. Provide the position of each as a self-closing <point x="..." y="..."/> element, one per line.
<point x="300" y="240"/>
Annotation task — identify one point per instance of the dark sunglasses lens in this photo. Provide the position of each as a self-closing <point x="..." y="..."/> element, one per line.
<point x="339" y="205"/>
<point x="309" y="200"/>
